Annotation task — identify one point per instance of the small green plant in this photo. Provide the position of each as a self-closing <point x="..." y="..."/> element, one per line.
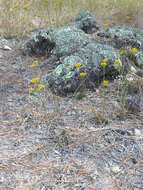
<point x="122" y="88"/>
<point x="81" y="90"/>
<point x="98" y="116"/>
<point x="80" y="95"/>
<point x="36" y="88"/>
<point x="61" y="137"/>
<point x="104" y="84"/>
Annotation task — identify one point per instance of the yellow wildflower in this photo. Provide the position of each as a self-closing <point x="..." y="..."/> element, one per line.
<point x="142" y="55"/>
<point x="106" y="25"/>
<point x="26" y="7"/>
<point x="118" y="61"/>
<point x="32" y="65"/>
<point x="134" y="50"/>
<point x="40" y="87"/>
<point x="83" y="74"/>
<point x="122" y="52"/>
<point x="11" y="10"/>
<point x="36" y="62"/>
<point x="130" y="52"/>
<point x="78" y="64"/>
<point x="38" y="15"/>
<point x="31" y="90"/>
<point x="104" y="60"/>
<point x="105" y="83"/>
<point x="103" y="64"/>
<point x="35" y="80"/>
<point x="128" y="18"/>
<point x="116" y="65"/>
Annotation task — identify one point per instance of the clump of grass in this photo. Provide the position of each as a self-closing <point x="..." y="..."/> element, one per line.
<point x="99" y="117"/>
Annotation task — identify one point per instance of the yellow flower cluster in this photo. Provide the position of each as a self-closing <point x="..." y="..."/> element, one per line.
<point x="79" y="64"/>
<point x="128" y="18"/>
<point x="37" y="87"/>
<point x="83" y="74"/>
<point x="105" y="83"/>
<point x="35" y="63"/>
<point x="104" y="63"/>
<point x="35" y="80"/>
<point x="118" y="61"/>
<point x="31" y="90"/>
<point x="106" y="25"/>
<point x="134" y="50"/>
<point x="40" y="87"/>
<point x="129" y="51"/>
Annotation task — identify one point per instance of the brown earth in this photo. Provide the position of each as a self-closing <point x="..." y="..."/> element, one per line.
<point x="49" y="142"/>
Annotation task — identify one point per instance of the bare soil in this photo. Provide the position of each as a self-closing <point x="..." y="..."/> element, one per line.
<point x="49" y="142"/>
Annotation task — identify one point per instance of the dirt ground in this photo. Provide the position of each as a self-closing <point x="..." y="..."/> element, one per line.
<point x="50" y="143"/>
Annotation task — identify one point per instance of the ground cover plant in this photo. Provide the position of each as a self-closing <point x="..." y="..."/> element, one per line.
<point x="92" y="139"/>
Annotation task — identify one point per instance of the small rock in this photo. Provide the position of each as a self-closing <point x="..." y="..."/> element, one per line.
<point x="116" y="169"/>
<point x="137" y="132"/>
<point x="133" y="103"/>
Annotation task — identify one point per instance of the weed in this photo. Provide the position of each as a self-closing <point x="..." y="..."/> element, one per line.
<point x="80" y="95"/>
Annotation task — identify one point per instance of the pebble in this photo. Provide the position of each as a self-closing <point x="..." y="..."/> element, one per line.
<point x="138" y="133"/>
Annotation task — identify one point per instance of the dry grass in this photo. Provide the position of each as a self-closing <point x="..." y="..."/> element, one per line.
<point x="18" y="17"/>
